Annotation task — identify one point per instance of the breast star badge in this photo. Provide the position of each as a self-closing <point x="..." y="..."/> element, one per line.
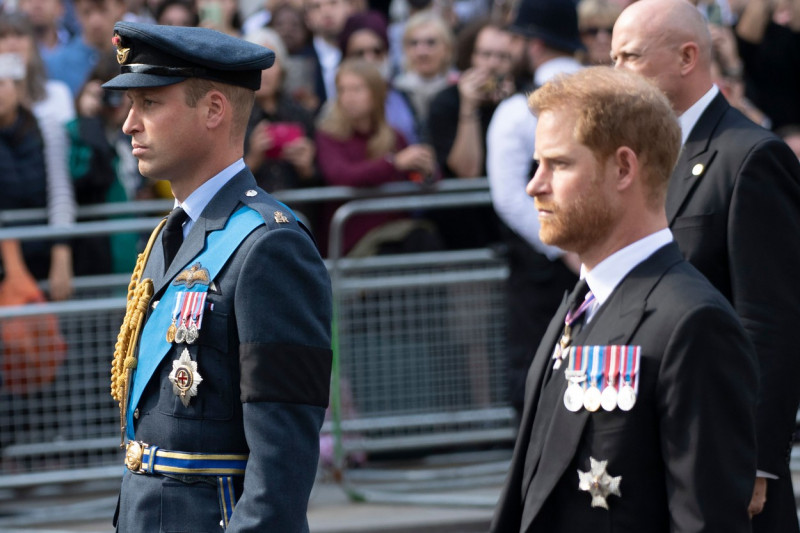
<point x="185" y="378"/>
<point x="598" y="483"/>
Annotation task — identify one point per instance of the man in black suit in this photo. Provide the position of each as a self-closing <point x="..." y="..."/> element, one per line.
<point x="641" y="416"/>
<point x="733" y="205"/>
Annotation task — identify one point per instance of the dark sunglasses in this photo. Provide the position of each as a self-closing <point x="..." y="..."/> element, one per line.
<point x="594" y="30"/>
<point x="361" y="53"/>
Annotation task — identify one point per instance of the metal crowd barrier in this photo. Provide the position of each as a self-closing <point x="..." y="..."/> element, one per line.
<point x="419" y="363"/>
<point x="418" y="342"/>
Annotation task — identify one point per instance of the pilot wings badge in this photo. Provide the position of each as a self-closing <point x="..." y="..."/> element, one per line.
<point x="196" y="274"/>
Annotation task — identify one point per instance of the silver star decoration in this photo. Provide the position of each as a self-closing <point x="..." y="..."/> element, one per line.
<point x="598" y="483"/>
<point x="185" y="378"/>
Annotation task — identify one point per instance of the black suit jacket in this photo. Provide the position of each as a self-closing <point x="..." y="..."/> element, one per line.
<point x="686" y="451"/>
<point x="733" y="205"/>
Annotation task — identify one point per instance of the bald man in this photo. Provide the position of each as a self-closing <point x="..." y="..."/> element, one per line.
<point x="733" y="205"/>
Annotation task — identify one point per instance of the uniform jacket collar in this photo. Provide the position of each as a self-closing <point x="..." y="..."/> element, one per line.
<point x="213" y="218"/>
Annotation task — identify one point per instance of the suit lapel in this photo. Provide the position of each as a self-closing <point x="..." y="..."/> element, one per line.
<point x="213" y="218"/>
<point x="615" y="323"/>
<point x="696" y="156"/>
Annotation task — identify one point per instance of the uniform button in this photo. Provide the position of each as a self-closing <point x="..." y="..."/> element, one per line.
<point x="136" y="414"/>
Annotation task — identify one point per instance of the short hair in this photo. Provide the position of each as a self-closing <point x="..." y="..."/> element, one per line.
<point x="618" y="108"/>
<point x="430" y="18"/>
<point x="597" y="12"/>
<point x="240" y="98"/>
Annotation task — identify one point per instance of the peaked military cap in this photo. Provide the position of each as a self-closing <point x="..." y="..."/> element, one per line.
<point x="155" y="56"/>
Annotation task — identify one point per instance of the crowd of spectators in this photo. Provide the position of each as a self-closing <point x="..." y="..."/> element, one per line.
<point x="362" y="93"/>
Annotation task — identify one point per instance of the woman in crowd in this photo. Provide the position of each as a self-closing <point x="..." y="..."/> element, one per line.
<point x="595" y="21"/>
<point x="356" y="147"/>
<point x="278" y="146"/>
<point x="23" y="179"/>
<point x="52" y="107"/>
<point x="364" y="37"/>
<point x="428" y="48"/>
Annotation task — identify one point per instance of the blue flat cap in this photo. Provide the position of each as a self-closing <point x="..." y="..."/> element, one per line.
<point x="155" y="56"/>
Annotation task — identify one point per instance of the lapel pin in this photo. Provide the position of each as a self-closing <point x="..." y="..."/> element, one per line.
<point x="698" y="169"/>
<point x="598" y="483"/>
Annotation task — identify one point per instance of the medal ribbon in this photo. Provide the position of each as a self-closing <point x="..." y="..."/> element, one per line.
<point x="186" y="312"/>
<point x="597" y="353"/>
<point x="611" y="366"/>
<point x="573" y="315"/>
<point x="199" y="308"/>
<point x="176" y="312"/>
<point x="631" y="366"/>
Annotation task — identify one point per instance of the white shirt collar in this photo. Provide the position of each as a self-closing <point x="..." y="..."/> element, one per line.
<point x="690" y="117"/>
<point x="550" y="69"/>
<point x="605" y="277"/>
<point x="199" y="199"/>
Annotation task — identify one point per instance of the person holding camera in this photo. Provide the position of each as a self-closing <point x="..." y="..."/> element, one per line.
<point x="279" y="147"/>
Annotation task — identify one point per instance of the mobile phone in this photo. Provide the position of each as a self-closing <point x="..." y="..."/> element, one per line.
<point x="282" y="133"/>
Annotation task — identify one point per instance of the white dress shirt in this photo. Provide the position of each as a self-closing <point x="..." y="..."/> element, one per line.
<point x="607" y="274"/>
<point x="329" y="58"/>
<point x="689" y="118"/>
<point x="510" y="142"/>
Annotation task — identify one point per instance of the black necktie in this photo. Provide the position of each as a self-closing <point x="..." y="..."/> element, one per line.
<point x="172" y="235"/>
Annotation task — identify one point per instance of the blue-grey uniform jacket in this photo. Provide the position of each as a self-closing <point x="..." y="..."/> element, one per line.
<point x="264" y="356"/>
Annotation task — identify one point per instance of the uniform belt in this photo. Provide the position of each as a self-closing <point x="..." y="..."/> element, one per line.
<point x="141" y="458"/>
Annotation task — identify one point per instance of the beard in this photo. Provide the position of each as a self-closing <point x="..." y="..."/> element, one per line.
<point x="579" y="224"/>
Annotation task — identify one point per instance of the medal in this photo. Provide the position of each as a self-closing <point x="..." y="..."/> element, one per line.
<point x="175" y="313"/>
<point x="608" y="399"/>
<point x="599" y="483"/>
<point x="196" y="317"/>
<point x="573" y="397"/>
<point x="185" y="378"/>
<point x="566" y="337"/>
<point x="630" y="371"/>
<point x="186" y="310"/>
<point x="591" y="398"/>
<point x="576" y="374"/>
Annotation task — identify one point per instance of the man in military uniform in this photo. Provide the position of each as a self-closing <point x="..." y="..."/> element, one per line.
<point x="223" y="363"/>
<point x="640" y="402"/>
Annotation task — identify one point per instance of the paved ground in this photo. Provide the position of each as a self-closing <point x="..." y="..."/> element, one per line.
<point x="454" y="495"/>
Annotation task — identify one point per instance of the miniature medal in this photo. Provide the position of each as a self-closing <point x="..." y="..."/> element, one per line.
<point x="608" y="398"/>
<point x="172" y="329"/>
<point x="576" y="374"/>
<point x="630" y="372"/>
<point x="598" y="483"/>
<point x="185" y="378"/>
<point x="591" y="398"/>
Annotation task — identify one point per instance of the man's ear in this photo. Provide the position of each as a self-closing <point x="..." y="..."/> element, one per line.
<point x="689" y="56"/>
<point x="216" y="106"/>
<point x="627" y="167"/>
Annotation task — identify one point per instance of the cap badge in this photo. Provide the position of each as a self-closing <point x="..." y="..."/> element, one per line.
<point x="280" y="218"/>
<point x="122" y="53"/>
<point x="185" y="378"/>
<point x="598" y="483"/>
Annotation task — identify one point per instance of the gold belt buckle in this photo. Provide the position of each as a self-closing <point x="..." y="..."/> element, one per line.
<point x="133" y="456"/>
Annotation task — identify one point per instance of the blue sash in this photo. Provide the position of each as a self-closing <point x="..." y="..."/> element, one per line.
<point x="219" y="247"/>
